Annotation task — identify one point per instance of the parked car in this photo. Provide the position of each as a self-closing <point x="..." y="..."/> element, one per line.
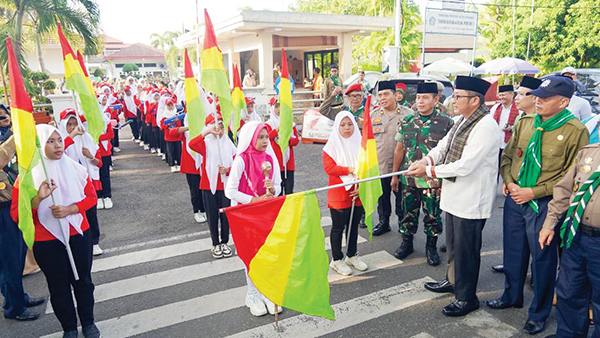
<point x="412" y="79"/>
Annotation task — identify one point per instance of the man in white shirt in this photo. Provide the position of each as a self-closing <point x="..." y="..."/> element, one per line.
<point x="505" y="112"/>
<point x="467" y="160"/>
<point x="580" y="107"/>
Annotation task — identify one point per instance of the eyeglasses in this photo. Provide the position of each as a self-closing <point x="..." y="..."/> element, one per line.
<point x="456" y="97"/>
<point x="355" y="96"/>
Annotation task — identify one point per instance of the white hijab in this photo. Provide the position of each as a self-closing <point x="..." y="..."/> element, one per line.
<point x="169" y="112"/>
<point x="274" y="121"/>
<point x="132" y="85"/>
<point x="70" y="178"/>
<point x="75" y="151"/>
<point x="130" y="102"/>
<point x="216" y="146"/>
<point x="161" y="107"/>
<point x="180" y="91"/>
<point x="195" y="156"/>
<point x="344" y="151"/>
<point x="110" y="97"/>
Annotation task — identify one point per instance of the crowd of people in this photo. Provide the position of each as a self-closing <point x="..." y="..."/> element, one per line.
<point x="530" y="139"/>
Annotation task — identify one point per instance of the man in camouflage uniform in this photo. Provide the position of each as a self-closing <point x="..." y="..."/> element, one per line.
<point x="385" y="121"/>
<point x="418" y="134"/>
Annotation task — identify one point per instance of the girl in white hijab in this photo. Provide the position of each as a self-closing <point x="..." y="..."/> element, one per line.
<point x="73" y="194"/>
<point x="340" y="157"/>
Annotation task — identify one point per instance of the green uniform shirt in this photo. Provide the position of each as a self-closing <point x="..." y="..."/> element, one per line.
<point x="559" y="149"/>
<point x="419" y="134"/>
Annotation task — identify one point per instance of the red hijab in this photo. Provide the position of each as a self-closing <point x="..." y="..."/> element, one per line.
<point x="252" y="181"/>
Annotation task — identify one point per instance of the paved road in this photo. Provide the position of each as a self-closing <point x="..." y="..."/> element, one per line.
<point x="158" y="279"/>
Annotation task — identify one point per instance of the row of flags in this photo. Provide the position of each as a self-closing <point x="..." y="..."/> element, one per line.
<point x="280" y="240"/>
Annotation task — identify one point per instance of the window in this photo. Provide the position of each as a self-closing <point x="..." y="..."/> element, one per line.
<point x="150" y="65"/>
<point x="119" y="65"/>
<point x="321" y="59"/>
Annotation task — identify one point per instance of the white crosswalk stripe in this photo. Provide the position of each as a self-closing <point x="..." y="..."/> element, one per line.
<point x="368" y="305"/>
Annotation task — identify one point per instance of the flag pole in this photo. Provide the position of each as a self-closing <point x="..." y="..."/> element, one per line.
<point x="350" y="223"/>
<point x="64" y="233"/>
<point x="80" y="125"/>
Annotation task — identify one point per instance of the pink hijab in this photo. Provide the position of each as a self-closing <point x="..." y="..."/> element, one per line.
<point x="253" y="178"/>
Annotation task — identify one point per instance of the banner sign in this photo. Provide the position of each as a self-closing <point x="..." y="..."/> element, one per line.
<point x="439" y="21"/>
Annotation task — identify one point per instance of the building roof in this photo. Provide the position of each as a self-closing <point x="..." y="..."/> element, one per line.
<point x="137" y="51"/>
<point x="111" y="43"/>
<point x="291" y="24"/>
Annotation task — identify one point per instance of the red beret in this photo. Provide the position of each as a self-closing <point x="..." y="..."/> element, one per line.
<point x="401" y="86"/>
<point x="67" y="112"/>
<point x="357" y="87"/>
<point x="273" y="100"/>
<point x="249" y="100"/>
<point x="126" y="88"/>
<point x="211" y="118"/>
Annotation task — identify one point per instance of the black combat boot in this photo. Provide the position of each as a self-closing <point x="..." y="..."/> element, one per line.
<point x="406" y="248"/>
<point x="433" y="258"/>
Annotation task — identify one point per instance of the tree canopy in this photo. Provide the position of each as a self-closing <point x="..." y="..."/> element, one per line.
<point x="563" y="33"/>
<point x="366" y="50"/>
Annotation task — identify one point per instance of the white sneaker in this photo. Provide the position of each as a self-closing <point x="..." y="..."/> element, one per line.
<point x="146" y="147"/>
<point x="270" y="305"/>
<point x="136" y="140"/>
<point x="200" y="217"/>
<point x="216" y="251"/>
<point x="116" y="149"/>
<point x="152" y="150"/>
<point x="97" y="251"/>
<point x="164" y="157"/>
<point x="178" y="168"/>
<point x="356" y="262"/>
<point x="108" y="204"/>
<point x="341" y="267"/>
<point x="174" y="169"/>
<point x="158" y="153"/>
<point x="110" y="168"/>
<point x="256" y="305"/>
<point x="142" y="144"/>
<point x="100" y="204"/>
<point x="226" y="250"/>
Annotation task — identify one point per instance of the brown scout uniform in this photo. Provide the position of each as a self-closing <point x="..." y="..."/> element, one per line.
<point x="385" y="128"/>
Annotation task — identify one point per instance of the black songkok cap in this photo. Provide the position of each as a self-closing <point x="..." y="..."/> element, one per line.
<point x="427" y="88"/>
<point x="530" y="82"/>
<point x="472" y="83"/>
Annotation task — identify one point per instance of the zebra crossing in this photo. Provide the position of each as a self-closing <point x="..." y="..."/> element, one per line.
<point x="113" y="291"/>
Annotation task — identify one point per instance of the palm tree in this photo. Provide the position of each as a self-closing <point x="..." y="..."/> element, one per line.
<point x="166" y="42"/>
<point x="38" y="20"/>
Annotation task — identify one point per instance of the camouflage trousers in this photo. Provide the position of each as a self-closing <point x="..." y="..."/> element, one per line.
<point x="412" y="200"/>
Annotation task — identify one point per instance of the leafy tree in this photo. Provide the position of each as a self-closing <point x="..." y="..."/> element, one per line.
<point x="366" y="50"/>
<point x="130" y="67"/>
<point x="166" y="42"/>
<point x="98" y="72"/>
<point x="564" y="32"/>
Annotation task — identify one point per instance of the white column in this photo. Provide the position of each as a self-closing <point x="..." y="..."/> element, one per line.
<point x="345" y="54"/>
<point x="265" y="61"/>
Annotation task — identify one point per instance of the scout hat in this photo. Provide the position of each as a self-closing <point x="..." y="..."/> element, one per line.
<point x="555" y="85"/>
<point x="472" y="83"/>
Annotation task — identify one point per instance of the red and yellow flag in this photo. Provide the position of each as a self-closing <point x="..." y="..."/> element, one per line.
<point x="282" y="244"/>
<point x="194" y="106"/>
<point x="239" y="103"/>
<point x="76" y="79"/>
<point x="286" y="116"/>
<point x="368" y="166"/>
<point x="25" y="135"/>
<point x="214" y="76"/>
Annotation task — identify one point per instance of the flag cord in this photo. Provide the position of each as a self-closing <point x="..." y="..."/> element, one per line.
<point x="64" y="233"/>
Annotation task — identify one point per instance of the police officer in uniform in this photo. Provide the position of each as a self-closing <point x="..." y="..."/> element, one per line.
<point x="419" y="133"/>
<point x="386" y="120"/>
<point x="577" y="196"/>
<point x="538" y="155"/>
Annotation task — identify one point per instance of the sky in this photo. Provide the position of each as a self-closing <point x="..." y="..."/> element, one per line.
<point x="134" y="21"/>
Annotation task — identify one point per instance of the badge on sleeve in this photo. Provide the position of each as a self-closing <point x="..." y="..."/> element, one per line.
<point x="560" y="137"/>
<point x="588" y="160"/>
<point x="519" y="153"/>
<point x="2" y="185"/>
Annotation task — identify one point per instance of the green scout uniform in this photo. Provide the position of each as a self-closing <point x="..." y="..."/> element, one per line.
<point x="330" y="84"/>
<point x="419" y="134"/>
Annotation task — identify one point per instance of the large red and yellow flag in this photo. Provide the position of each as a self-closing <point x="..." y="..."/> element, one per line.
<point x="282" y="244"/>
<point x="75" y="80"/>
<point x="25" y="135"/>
<point x="368" y="166"/>
<point x="195" y="109"/>
<point x="214" y="76"/>
<point x="237" y="97"/>
<point x="286" y="116"/>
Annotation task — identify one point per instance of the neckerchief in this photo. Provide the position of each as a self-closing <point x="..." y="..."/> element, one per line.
<point x="577" y="208"/>
<point x="532" y="159"/>
<point x="458" y="136"/>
